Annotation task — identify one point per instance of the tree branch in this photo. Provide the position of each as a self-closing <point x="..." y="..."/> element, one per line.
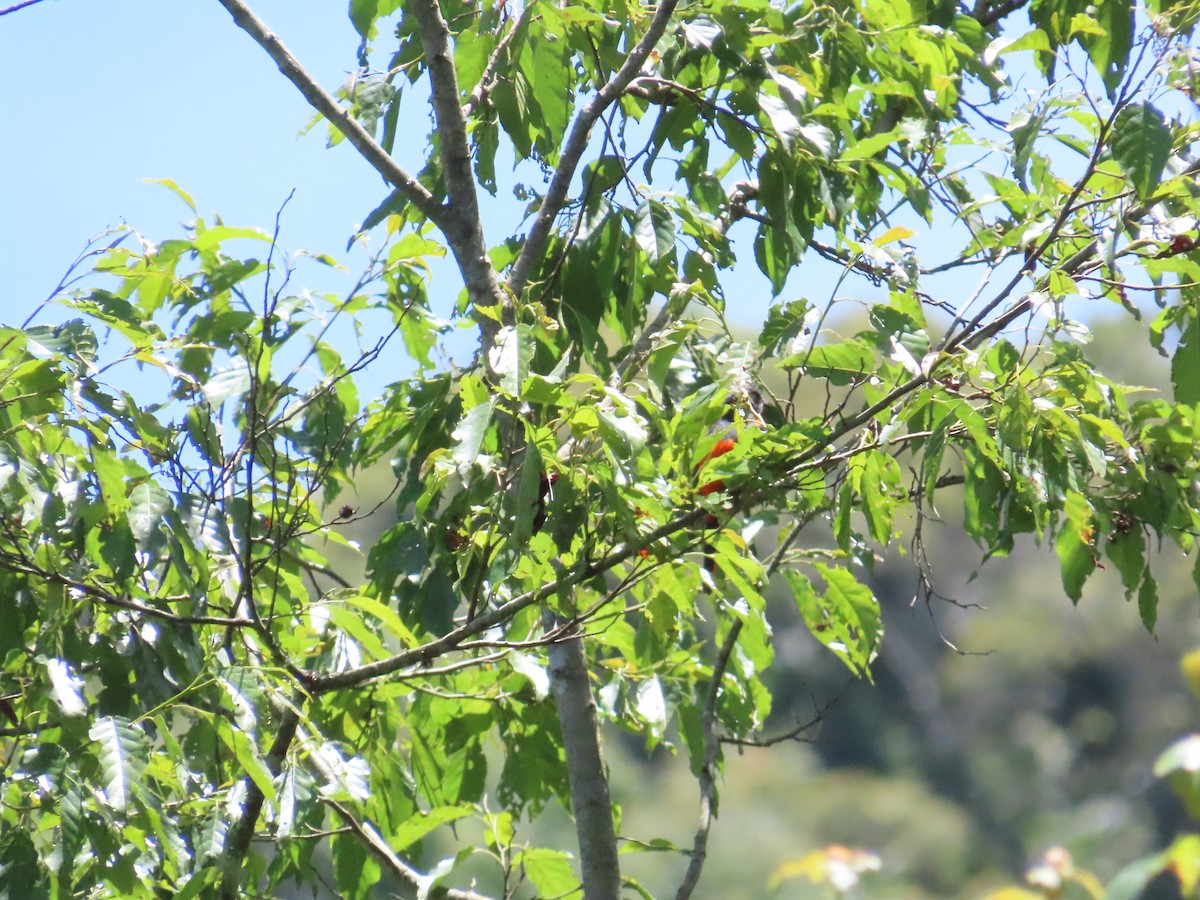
<point x="327" y="105"/>
<point x="11" y="564"/>
<point x="319" y="683"/>
<point x="487" y="79"/>
<point x="237" y="841"/>
<point x="707" y="774"/>
<point x="463" y="226"/>
<point x="590" y="800"/>
<point x="375" y="842"/>
<point x="534" y="247"/>
<point x="989" y="12"/>
<point x="16" y="6"/>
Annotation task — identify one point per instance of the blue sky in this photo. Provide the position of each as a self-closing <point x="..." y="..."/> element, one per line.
<point x="99" y="96"/>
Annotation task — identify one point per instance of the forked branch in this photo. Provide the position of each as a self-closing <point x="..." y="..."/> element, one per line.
<point x="534" y="247"/>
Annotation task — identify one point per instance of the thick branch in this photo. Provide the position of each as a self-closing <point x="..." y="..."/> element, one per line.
<point x="463" y="226"/>
<point x="534" y="247"/>
<point x="590" y="800"/>
<point x="707" y="775"/>
<point x="328" y="106"/>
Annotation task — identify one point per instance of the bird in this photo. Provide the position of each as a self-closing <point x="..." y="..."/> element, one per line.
<point x="750" y="403"/>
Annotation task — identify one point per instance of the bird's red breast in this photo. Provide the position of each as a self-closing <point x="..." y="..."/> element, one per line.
<point x="720" y="448"/>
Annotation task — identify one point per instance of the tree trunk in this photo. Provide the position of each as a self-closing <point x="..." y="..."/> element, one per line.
<point x="590" y="801"/>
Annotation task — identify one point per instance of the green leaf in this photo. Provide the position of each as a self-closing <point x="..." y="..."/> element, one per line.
<point x="20" y="872"/>
<point x="72" y="831"/>
<point x="787" y="322"/>
<point x="118" y="549"/>
<point x="871" y="146"/>
<point x="213" y="238"/>
<point x="393" y="204"/>
<point x="845" y="619"/>
<point x="654" y="231"/>
<point x="110" y="479"/>
<point x="510" y="357"/>
<point x="1148" y="601"/>
<point x="470" y="433"/>
<point x="1077" y="558"/>
<point x="549" y="69"/>
<point x="1110" y="53"/>
<point x="231" y="381"/>
<point x="1141" y="143"/>
<point x="1128" y="552"/>
<point x="409" y="832"/>
<point x="550" y="871"/>
<point x="175" y="189"/>
<point x="386" y="616"/>
<point x="1185" y="364"/>
<point x="1180" y="764"/>
<point x="839" y="363"/>
<point x="877" y="480"/>
<point x="603" y="174"/>
<point x="355" y="869"/>
<point x="250" y="761"/>
<point x="73" y="340"/>
<point x="122" y="758"/>
<point x="363" y="14"/>
<point x="148" y="501"/>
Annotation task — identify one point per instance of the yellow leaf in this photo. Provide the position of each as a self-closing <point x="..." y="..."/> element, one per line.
<point x="895" y="233"/>
<point x="811" y="866"/>
<point x="1190" y="666"/>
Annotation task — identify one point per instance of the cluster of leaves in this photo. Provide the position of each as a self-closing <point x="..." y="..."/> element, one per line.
<point x="184" y="668"/>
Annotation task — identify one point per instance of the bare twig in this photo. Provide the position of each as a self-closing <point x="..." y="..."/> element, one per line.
<point x="792" y="734"/>
<point x="487" y="80"/>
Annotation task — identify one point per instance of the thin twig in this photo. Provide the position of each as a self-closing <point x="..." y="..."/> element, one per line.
<point x="484" y="87"/>
<point x="707" y="775"/>
<point x="16" y="6"/>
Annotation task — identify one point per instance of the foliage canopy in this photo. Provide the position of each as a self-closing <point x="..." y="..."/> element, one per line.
<point x="189" y="666"/>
